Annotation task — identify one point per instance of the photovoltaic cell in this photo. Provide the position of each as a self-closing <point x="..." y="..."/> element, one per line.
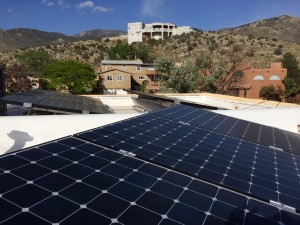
<point x="241" y="129"/>
<point x="249" y="168"/>
<point x="52" y="100"/>
<point x="119" y="190"/>
<point x="175" y="166"/>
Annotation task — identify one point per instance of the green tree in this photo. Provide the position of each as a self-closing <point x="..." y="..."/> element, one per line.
<point x="292" y="80"/>
<point x="130" y="52"/>
<point x="291" y="88"/>
<point x="219" y="75"/>
<point x="142" y="52"/>
<point x="177" y="78"/>
<point x="291" y="63"/>
<point x="164" y="65"/>
<point x="77" y="77"/>
<point x="35" y="61"/>
<point x="121" y="52"/>
<point x="270" y="93"/>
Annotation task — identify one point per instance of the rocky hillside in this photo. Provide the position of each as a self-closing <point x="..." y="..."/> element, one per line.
<point x="19" y="38"/>
<point x="284" y="28"/>
<point x="258" y="51"/>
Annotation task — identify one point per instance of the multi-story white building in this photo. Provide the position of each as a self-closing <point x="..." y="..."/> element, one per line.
<point x="140" y="32"/>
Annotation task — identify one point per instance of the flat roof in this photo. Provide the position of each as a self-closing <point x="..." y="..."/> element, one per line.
<point x="122" y="62"/>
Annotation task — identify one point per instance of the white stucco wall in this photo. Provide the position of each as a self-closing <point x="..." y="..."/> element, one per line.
<point x="17" y="132"/>
<point x="282" y="118"/>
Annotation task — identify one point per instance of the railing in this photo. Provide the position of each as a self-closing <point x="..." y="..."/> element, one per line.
<point x="157" y="29"/>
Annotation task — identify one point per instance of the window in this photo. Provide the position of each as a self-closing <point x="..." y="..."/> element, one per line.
<point x="150" y="68"/>
<point x="138" y="67"/>
<point x="110" y="77"/>
<point x="274" y="77"/>
<point x="258" y="77"/>
<point x="120" y="78"/>
<point x="141" y="77"/>
<point x="124" y="66"/>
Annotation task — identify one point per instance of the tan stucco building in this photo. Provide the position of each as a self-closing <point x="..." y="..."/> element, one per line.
<point x="119" y="75"/>
<point x="127" y="74"/>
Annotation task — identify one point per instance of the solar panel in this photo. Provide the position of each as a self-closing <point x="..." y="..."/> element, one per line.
<point x="51" y="100"/>
<point x="71" y="181"/>
<point x="249" y="168"/>
<point x="257" y="133"/>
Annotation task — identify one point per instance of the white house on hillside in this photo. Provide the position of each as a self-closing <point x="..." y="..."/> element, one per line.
<point x="140" y="32"/>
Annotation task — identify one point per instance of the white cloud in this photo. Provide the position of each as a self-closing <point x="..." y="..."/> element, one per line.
<point x="9" y="10"/>
<point x="101" y="9"/>
<point x="48" y="3"/>
<point x="60" y="3"/>
<point x="80" y="6"/>
<point x="86" y="4"/>
<point x="94" y="8"/>
<point x="152" y="7"/>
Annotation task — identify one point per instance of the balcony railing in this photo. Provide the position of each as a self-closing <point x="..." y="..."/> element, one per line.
<point x="157" y="29"/>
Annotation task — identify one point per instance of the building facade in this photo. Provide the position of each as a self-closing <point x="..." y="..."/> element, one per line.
<point x="254" y="79"/>
<point x="117" y="75"/>
<point x="140" y="32"/>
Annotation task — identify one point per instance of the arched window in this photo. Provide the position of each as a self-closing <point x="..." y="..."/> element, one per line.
<point x="274" y="77"/>
<point x="258" y="77"/>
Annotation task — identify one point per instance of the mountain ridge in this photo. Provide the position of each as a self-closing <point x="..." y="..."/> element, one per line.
<point x="98" y="33"/>
<point x="17" y="38"/>
<point x="259" y="48"/>
<point x="285" y="27"/>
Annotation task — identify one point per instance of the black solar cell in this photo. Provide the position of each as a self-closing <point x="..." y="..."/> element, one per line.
<point x="246" y="167"/>
<point x="62" y="102"/>
<point x="124" y="190"/>
<point x="207" y="169"/>
<point x="241" y="129"/>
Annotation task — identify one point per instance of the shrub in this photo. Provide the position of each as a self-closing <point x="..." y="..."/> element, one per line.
<point x="278" y="51"/>
<point x="270" y="93"/>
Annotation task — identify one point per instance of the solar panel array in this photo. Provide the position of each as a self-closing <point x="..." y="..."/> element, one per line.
<point x="241" y="129"/>
<point x="150" y="170"/>
<point x="52" y="100"/>
<point x="165" y="99"/>
<point x="247" y="167"/>
<point x="71" y="181"/>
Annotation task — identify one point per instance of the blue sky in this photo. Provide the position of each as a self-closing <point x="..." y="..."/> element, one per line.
<point x="73" y="16"/>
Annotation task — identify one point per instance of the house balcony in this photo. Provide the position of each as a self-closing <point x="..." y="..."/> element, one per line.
<point x="157" y="30"/>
